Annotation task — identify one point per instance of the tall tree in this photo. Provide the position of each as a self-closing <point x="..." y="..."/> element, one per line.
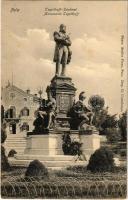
<point x="122" y="122"/>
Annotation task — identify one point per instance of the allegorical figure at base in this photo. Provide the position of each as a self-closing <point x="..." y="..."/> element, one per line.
<point x="45" y="119"/>
<point x="80" y="113"/>
<point x="62" y="54"/>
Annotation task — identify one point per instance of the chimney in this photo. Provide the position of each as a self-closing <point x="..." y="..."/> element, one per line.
<point x="28" y="91"/>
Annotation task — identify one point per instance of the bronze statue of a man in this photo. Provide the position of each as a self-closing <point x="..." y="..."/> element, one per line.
<point x="62" y="54"/>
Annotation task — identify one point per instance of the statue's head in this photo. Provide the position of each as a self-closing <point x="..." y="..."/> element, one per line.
<point x="63" y="28"/>
<point x="82" y="96"/>
<point x="41" y="108"/>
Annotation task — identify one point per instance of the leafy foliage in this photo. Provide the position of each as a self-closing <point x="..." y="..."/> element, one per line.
<point x="71" y="147"/>
<point x="101" y="160"/>
<point x="96" y="102"/>
<point x="110" y="121"/>
<point x="3" y="132"/>
<point x="36" y="169"/>
<point x="75" y="148"/>
<point x="103" y="121"/>
<point x="4" y="161"/>
<point x="2" y="113"/>
<point x="113" y="134"/>
<point x="66" y="144"/>
<point x="99" y="118"/>
<point x="123" y="125"/>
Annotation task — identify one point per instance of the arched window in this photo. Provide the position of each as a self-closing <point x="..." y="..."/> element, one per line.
<point x="25" y="111"/>
<point x="25" y="127"/>
<point x="12" y="112"/>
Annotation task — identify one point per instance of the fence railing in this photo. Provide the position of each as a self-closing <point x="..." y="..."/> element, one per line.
<point x="37" y="188"/>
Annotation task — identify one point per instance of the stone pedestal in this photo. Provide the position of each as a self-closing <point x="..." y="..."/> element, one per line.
<point x="90" y="143"/>
<point x="48" y="150"/>
<point x="63" y="90"/>
<point x="43" y="145"/>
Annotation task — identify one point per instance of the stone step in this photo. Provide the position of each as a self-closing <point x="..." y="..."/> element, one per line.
<point x="45" y="157"/>
<point x="18" y="138"/>
<point x="18" y="146"/>
<point x="49" y="164"/>
<point x="16" y="141"/>
<point x="21" y="149"/>
<point x="16" y="135"/>
<point x="15" y="144"/>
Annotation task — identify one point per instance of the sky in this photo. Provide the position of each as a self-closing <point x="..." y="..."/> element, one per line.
<point x="28" y="46"/>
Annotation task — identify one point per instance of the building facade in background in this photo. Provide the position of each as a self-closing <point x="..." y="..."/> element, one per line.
<point x="19" y="108"/>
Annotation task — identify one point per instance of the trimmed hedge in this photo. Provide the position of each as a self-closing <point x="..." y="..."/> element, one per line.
<point x="101" y="160"/>
<point x="36" y="169"/>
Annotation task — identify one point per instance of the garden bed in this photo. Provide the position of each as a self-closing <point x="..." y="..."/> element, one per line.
<point x="71" y="183"/>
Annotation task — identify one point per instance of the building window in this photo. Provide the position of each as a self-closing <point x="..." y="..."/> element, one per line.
<point x="12" y="128"/>
<point x="25" y="111"/>
<point x="12" y="95"/>
<point x="11" y="112"/>
<point x="25" y="127"/>
<point x="25" y="99"/>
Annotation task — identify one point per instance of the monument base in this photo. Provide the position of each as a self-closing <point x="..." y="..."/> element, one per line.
<point x="90" y="143"/>
<point x="43" y="145"/>
<point x="48" y="150"/>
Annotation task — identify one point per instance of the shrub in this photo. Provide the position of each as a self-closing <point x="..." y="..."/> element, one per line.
<point x="66" y="144"/>
<point x="3" y="133"/>
<point x="75" y="148"/>
<point x="4" y="161"/>
<point x="77" y="169"/>
<point x="113" y="134"/>
<point x="36" y="169"/>
<point x="11" y="153"/>
<point x="71" y="147"/>
<point x="101" y="160"/>
<point x="122" y="123"/>
<point x="123" y="153"/>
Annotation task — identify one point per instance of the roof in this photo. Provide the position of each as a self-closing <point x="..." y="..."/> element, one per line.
<point x="15" y="88"/>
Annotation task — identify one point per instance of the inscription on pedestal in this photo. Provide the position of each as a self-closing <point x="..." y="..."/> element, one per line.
<point x="64" y="102"/>
<point x="63" y="90"/>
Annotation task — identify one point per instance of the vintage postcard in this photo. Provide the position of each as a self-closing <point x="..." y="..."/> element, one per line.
<point x="64" y="99"/>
